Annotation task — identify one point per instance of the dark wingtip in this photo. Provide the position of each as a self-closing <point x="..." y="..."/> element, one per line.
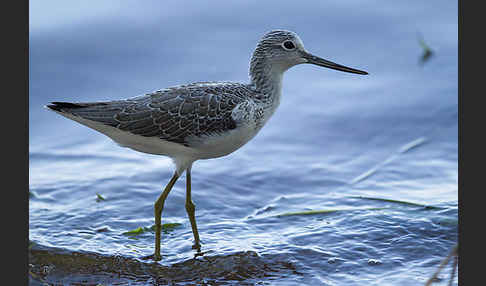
<point x="59" y="106"/>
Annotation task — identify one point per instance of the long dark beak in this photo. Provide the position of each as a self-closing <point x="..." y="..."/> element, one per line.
<point x="311" y="59"/>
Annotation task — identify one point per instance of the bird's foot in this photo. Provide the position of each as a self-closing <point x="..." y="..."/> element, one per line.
<point x="197" y="246"/>
<point x="152" y="257"/>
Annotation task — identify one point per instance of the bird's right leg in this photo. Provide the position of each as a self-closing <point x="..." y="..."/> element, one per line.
<point x="158" y="207"/>
<point x="191" y="210"/>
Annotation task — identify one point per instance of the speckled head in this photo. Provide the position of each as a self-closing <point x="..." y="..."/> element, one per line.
<point x="279" y="50"/>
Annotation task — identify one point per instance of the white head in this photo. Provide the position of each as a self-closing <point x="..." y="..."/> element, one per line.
<point x="280" y="50"/>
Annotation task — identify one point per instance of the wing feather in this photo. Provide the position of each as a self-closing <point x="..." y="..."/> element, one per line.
<point x="173" y="114"/>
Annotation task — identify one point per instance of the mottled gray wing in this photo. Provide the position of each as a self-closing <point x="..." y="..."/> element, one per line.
<point x="173" y="114"/>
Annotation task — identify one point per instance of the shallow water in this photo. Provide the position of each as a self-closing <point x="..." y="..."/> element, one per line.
<point x="374" y="156"/>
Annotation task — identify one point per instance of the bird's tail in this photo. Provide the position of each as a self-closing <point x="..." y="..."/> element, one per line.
<point x="69" y="106"/>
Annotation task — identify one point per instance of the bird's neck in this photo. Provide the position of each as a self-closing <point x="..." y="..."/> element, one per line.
<point x="267" y="81"/>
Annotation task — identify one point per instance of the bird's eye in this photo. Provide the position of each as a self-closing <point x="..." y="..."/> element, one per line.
<point x="288" y="45"/>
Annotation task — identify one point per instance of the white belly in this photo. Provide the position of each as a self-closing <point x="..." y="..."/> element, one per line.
<point x="214" y="146"/>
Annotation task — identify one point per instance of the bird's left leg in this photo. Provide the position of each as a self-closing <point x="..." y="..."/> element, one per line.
<point x="158" y="207"/>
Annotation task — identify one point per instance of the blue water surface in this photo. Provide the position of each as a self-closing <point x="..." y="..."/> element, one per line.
<point x="337" y="143"/>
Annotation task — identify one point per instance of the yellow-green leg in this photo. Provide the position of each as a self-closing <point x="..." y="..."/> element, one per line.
<point x="158" y="207"/>
<point x="191" y="210"/>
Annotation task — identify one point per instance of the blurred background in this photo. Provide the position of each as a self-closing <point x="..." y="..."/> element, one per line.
<point x="373" y="157"/>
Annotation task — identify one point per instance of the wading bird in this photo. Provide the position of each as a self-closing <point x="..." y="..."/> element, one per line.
<point x="200" y="120"/>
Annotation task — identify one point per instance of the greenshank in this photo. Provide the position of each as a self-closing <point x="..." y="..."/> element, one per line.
<point x="200" y="120"/>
